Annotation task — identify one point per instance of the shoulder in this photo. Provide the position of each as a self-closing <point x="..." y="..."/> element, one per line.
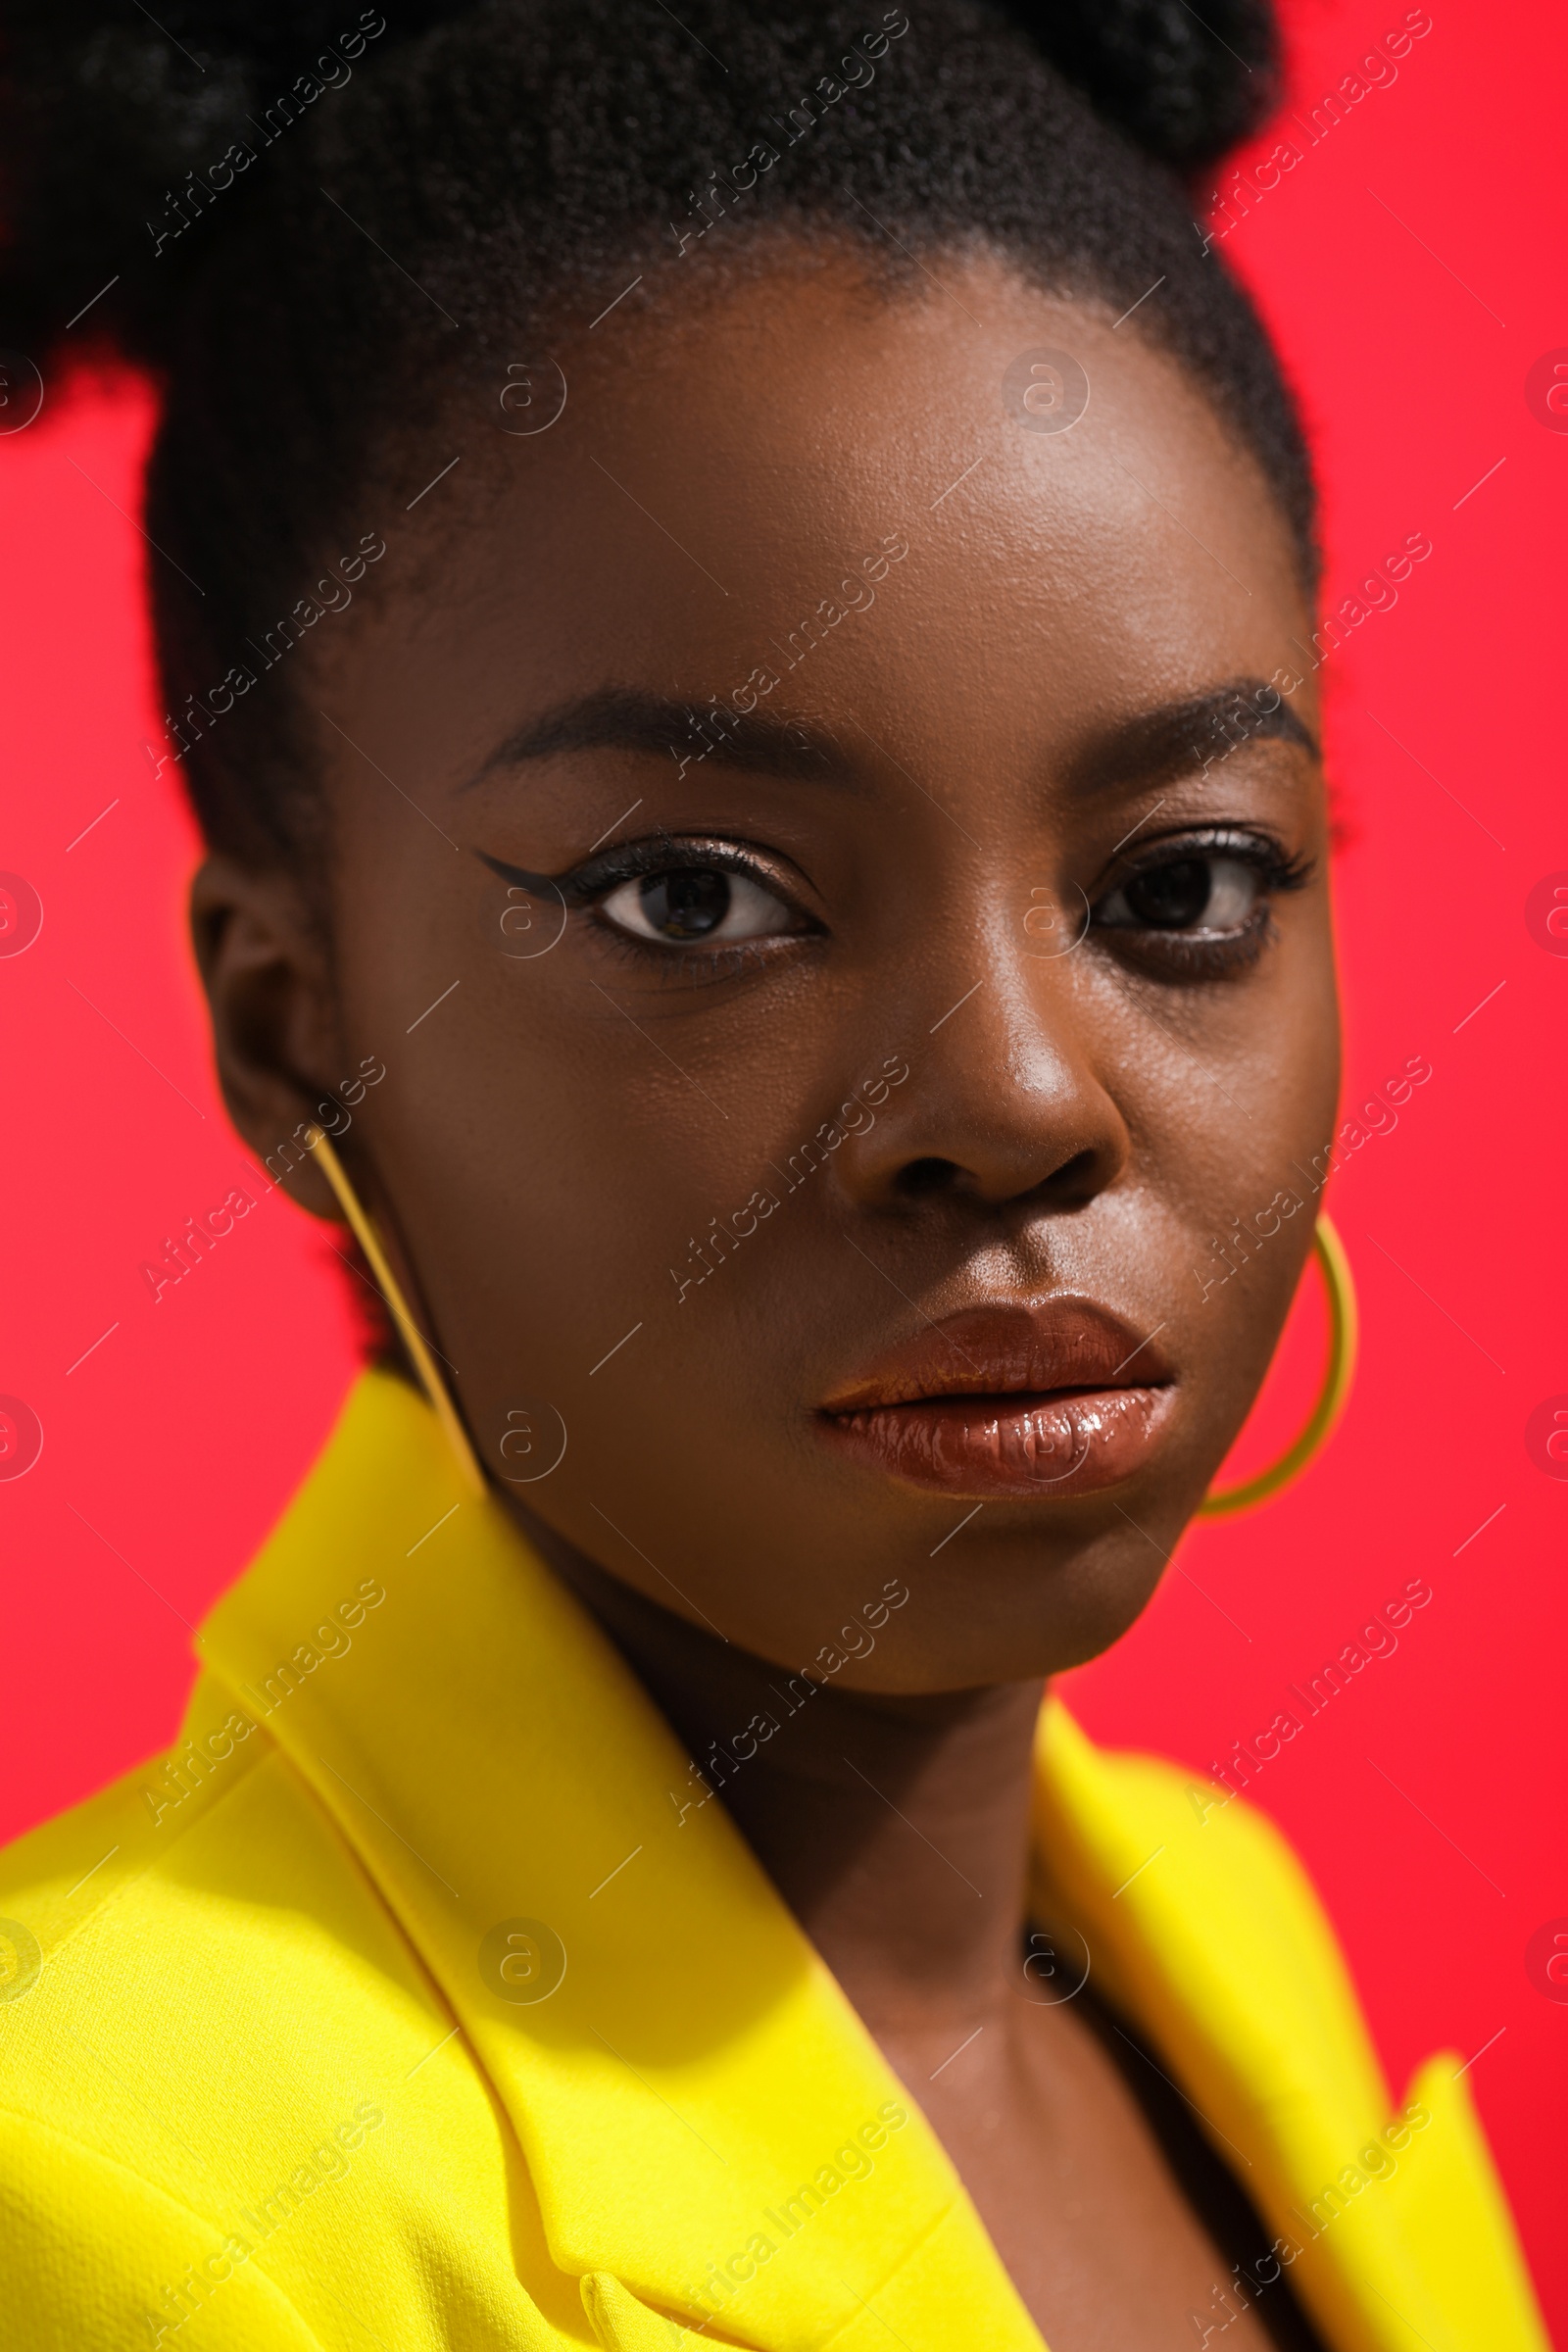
<point x="224" y="2074"/>
<point x="133" y="1923"/>
<point x="139" y="1850"/>
<point x="1199" y="1921"/>
<point x="1162" y="1857"/>
<point x="116" y="1965"/>
<point x="198" y="1889"/>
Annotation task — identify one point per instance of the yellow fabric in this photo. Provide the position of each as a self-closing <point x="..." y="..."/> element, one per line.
<point x="266" y="2084"/>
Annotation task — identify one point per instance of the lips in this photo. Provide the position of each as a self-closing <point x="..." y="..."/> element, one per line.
<point x="1019" y="1401"/>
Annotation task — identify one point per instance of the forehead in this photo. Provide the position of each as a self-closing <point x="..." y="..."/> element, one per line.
<point x="1081" y="535"/>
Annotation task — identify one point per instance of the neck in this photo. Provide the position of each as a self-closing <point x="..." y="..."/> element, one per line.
<point x="896" y="1829"/>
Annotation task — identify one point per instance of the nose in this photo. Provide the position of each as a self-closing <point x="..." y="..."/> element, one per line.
<point x="1005" y="1102"/>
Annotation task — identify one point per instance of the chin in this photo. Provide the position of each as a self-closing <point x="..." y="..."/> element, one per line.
<point x="1010" y="1619"/>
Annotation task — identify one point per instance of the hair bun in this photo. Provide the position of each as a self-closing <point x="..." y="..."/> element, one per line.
<point x="105" y="111"/>
<point x="1185" y="88"/>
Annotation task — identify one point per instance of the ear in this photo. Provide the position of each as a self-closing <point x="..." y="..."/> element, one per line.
<point x="264" y="965"/>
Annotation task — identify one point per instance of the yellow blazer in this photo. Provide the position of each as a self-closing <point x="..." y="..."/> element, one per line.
<point x="399" y="2005"/>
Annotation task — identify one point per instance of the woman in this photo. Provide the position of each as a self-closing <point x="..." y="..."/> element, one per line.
<point x="735" y="603"/>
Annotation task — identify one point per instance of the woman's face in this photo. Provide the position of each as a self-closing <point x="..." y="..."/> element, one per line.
<point x="834" y="1158"/>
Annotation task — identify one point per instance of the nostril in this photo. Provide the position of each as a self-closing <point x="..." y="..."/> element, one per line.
<point x="1078" y="1176"/>
<point x="933" y="1178"/>
<point x="922" y="1178"/>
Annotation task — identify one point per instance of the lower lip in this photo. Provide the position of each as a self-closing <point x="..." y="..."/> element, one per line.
<point x="1025" y="1449"/>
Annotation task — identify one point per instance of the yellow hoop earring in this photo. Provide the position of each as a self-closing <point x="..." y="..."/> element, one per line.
<point x="1340" y="1291"/>
<point x="408" y="1332"/>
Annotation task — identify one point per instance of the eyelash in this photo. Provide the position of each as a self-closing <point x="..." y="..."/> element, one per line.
<point x="1191" y="954"/>
<point x="589" y="885"/>
<point x="584" y="888"/>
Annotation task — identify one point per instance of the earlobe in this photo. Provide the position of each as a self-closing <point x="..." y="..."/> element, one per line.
<point x="264" y="971"/>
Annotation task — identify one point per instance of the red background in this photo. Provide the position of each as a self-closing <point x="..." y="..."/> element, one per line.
<point x="1410" y="265"/>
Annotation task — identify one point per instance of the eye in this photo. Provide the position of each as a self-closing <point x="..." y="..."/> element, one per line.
<point x="1210" y="892"/>
<point x="693" y="906"/>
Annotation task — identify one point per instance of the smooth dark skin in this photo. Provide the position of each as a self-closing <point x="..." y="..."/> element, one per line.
<point x="545" y="1142"/>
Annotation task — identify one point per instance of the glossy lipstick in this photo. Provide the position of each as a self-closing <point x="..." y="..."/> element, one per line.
<point x="1014" y="1402"/>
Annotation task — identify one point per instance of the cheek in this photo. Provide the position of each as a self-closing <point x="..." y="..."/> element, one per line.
<point x="1228" y="1116"/>
<point x="573" y="1171"/>
<point x="1239" y="1149"/>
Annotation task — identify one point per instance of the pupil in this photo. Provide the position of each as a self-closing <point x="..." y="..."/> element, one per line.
<point x="1171" y="896"/>
<point x="687" y="904"/>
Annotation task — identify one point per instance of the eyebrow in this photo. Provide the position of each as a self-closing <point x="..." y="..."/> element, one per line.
<point x="1153" y="745"/>
<point x="621" y="718"/>
<point x="1200" y="731"/>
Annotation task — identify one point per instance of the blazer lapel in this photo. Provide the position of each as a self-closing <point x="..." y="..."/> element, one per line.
<point x="707" y="2122"/>
<point x="709" y="2128"/>
<point x="1203" y="1926"/>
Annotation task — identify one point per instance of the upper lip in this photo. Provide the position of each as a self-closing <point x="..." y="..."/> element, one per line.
<point x="1009" y="1348"/>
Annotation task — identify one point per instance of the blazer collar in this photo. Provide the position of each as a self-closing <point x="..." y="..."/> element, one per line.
<point x="503" y="1775"/>
<point x="505" y="1781"/>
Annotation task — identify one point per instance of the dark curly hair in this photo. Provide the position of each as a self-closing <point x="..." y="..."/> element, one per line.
<point x="317" y="231"/>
